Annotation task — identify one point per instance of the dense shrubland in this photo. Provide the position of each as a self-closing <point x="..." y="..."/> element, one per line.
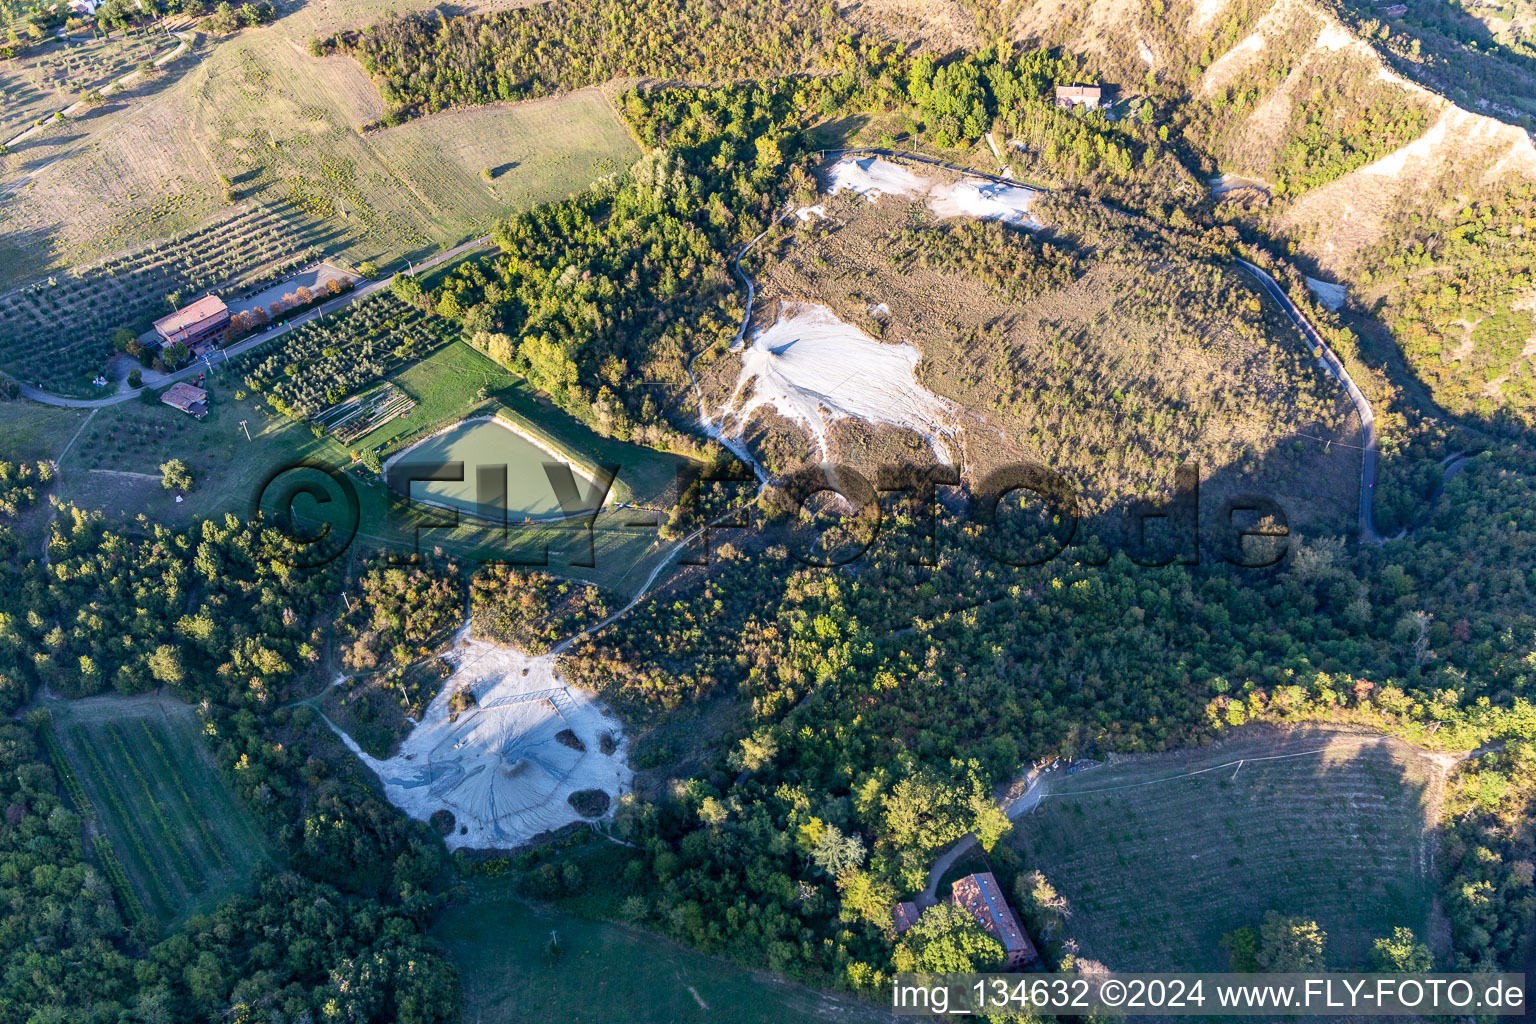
<point x="1448" y="49"/>
<point x="425" y="62"/>
<point x="403" y="611"/>
<point x="887" y="703"/>
<point x="530" y="609"/>
<point x="874" y="709"/>
<point x="1488" y="846"/>
<point x="1338" y="114"/>
<point x="630" y="279"/>
<point x="214" y="613"/>
<point x="1453" y="292"/>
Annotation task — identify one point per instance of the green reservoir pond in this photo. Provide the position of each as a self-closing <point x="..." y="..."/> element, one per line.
<point x="500" y="468"/>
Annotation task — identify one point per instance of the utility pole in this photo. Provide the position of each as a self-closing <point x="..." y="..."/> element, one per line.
<point x="246" y="429"/>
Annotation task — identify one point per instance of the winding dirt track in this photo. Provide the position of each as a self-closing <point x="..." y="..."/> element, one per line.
<point x="1328" y="359"/>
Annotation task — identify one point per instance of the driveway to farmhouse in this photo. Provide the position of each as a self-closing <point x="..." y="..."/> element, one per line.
<point x="48" y="398"/>
<point x="1016" y="807"/>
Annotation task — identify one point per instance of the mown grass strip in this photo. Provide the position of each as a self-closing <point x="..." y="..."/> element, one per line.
<point x="210" y="840"/>
<point x="162" y="892"/>
<point x="193" y="880"/>
<point x="113" y="869"/>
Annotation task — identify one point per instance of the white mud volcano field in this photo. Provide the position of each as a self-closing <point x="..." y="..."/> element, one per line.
<point x="506" y="766"/>
<point x="815" y="369"/>
<point x="872" y="177"/>
<point x="1332" y="296"/>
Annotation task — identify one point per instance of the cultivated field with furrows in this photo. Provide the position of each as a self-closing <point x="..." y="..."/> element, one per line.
<point x="255" y="117"/>
<point x="57" y="331"/>
<point x="1104" y="356"/>
<point x="180" y="836"/>
<point x="1156" y="865"/>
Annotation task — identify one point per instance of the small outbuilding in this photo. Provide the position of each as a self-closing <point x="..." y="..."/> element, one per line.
<point x="906" y="915"/>
<point x="191" y="400"/>
<point x="1090" y="96"/>
<point x="983" y="897"/>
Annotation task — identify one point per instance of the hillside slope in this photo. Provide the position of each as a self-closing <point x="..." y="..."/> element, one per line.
<point x="1421" y="206"/>
<point x="1106" y="351"/>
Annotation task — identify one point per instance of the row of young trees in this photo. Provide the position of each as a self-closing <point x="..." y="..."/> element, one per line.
<point x="884" y="706"/>
<point x="879" y="707"/>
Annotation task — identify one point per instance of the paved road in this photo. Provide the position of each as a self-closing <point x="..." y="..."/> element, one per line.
<point x="362" y="291"/>
<point x="1335" y="367"/>
<point x="1329" y="359"/>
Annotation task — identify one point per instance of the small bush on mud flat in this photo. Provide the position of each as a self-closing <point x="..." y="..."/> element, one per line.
<point x="607" y="744"/>
<point x="442" y="820"/>
<point x="460" y="702"/>
<point x="589" y="803"/>
<point x="571" y="740"/>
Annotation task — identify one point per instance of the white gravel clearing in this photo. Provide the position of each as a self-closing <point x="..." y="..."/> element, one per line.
<point x="815" y="369"/>
<point x="806" y="213"/>
<point x="872" y="177"/>
<point x="1332" y="296"/>
<point x="499" y="768"/>
<point x="984" y="200"/>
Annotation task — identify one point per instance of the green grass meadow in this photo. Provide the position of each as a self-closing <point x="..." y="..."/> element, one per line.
<point x="29" y="431"/>
<point x="182" y="838"/>
<point x="608" y="972"/>
<point x="113" y="464"/>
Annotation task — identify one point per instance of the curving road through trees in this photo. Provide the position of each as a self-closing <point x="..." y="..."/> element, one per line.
<point x="1328" y="359"/>
<point x="1335" y="368"/>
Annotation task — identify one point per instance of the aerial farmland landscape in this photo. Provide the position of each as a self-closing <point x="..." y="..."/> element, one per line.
<point x="767" y="511"/>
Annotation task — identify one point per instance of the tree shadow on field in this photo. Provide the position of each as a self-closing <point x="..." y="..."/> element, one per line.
<point x="46" y="156"/>
<point x="312" y="230"/>
<point x="835" y="133"/>
<point x="25" y="255"/>
<point x="1369" y="840"/>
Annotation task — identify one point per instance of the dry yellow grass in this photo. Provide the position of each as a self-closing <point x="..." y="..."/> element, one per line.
<point x="933" y="24"/>
<point x="283" y="128"/>
<point x="130" y="171"/>
<point x="1145" y="359"/>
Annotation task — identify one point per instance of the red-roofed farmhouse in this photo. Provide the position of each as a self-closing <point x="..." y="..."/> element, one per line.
<point x="983" y="897"/>
<point x="194" y="323"/>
